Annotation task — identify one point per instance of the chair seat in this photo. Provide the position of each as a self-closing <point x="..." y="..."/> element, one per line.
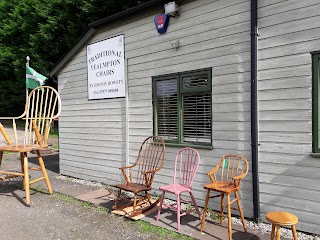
<point x="282" y="218"/>
<point x="133" y="187"/>
<point x="224" y="187"/>
<point x="20" y="148"/>
<point x="175" y="188"/>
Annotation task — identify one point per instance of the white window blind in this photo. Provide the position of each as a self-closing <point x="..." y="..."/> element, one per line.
<point x="197" y="118"/>
<point x="167" y="96"/>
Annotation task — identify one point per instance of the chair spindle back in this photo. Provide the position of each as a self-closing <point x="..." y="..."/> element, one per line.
<point x="42" y="107"/>
<point x="186" y="165"/>
<point x="150" y="158"/>
<point x="231" y="166"/>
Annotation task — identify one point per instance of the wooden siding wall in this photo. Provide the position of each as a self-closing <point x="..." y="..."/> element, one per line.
<point x="212" y="34"/>
<point x="289" y="177"/>
<point x="91" y="133"/>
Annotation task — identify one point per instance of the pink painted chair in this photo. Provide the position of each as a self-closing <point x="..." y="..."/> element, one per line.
<point x="186" y="165"/>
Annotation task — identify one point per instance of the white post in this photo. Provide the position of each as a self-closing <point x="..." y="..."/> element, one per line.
<point x="27" y="91"/>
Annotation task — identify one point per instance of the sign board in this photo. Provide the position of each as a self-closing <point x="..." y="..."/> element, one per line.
<point x="106" y="70"/>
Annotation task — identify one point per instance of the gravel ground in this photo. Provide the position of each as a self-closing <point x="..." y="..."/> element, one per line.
<point x="53" y="217"/>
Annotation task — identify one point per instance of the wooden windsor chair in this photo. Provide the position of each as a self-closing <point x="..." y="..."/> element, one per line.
<point x="225" y="179"/>
<point x="185" y="169"/>
<point x="141" y="174"/>
<point x="42" y="107"/>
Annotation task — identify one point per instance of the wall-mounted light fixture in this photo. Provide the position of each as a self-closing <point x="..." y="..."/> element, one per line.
<point x="172" y="9"/>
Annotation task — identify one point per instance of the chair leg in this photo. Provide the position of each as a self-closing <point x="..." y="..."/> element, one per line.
<point x="272" y="231"/>
<point x="241" y="212"/>
<point x="134" y="204"/>
<point x="195" y="204"/>
<point x="116" y="202"/>
<point x="178" y="211"/>
<point x="229" y="218"/>
<point x="205" y="210"/>
<point x="294" y="233"/>
<point x="22" y="168"/>
<point x="160" y="205"/>
<point x="26" y="178"/>
<point x="221" y="208"/>
<point x="1" y="155"/>
<point x="148" y="197"/>
<point x="44" y="172"/>
<point x="278" y="232"/>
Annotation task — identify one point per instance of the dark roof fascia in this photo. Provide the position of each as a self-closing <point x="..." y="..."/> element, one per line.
<point x="98" y="24"/>
<point x="126" y="13"/>
<point x="72" y="51"/>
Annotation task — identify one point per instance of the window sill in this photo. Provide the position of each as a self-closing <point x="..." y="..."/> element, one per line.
<point x="314" y="155"/>
<point x="182" y="145"/>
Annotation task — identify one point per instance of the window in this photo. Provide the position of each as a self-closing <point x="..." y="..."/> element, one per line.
<point x="182" y="108"/>
<point x="315" y="103"/>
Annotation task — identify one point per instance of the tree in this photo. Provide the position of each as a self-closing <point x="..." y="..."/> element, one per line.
<point x="44" y="30"/>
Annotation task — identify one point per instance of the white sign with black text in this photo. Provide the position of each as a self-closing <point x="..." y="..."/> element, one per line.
<point x="106" y="70"/>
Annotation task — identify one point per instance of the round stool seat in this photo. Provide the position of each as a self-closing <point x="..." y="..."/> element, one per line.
<point x="282" y="218"/>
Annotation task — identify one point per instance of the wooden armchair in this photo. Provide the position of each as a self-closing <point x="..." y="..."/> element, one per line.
<point x="225" y="179"/>
<point x="141" y="174"/>
<point x="42" y="107"/>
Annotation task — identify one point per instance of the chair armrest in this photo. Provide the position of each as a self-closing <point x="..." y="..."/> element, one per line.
<point x="13" y="118"/>
<point x="122" y="168"/>
<point x="213" y="179"/>
<point x="213" y="170"/>
<point x="239" y="177"/>
<point x="124" y="173"/>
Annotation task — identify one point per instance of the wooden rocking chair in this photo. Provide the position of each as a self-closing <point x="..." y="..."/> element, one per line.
<point x="42" y="107"/>
<point x="150" y="160"/>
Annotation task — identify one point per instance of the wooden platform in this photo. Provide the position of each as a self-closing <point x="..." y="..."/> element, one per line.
<point x="128" y="210"/>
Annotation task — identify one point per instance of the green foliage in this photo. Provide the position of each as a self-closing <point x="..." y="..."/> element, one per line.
<point x="44" y="30"/>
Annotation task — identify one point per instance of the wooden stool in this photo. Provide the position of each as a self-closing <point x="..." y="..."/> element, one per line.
<point x="282" y="219"/>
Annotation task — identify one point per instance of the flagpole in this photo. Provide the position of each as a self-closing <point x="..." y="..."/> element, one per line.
<point x="27" y="91"/>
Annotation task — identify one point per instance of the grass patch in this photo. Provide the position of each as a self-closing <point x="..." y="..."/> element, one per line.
<point x="144" y="226"/>
<point x="9" y="153"/>
<point x="67" y="198"/>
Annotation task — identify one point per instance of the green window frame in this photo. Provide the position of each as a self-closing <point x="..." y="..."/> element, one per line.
<point x="182" y="108"/>
<point x="315" y="102"/>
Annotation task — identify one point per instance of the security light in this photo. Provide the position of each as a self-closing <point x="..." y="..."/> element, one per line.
<point x="171" y="9"/>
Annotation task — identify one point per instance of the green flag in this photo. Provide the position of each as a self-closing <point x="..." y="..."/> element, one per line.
<point x="34" y="79"/>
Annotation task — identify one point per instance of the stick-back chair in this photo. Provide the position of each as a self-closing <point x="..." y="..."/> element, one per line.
<point x="225" y="179"/>
<point x="141" y="174"/>
<point x="185" y="168"/>
<point x="42" y="107"/>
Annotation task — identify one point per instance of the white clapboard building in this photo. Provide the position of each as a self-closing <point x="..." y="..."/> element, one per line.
<point x="244" y="73"/>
